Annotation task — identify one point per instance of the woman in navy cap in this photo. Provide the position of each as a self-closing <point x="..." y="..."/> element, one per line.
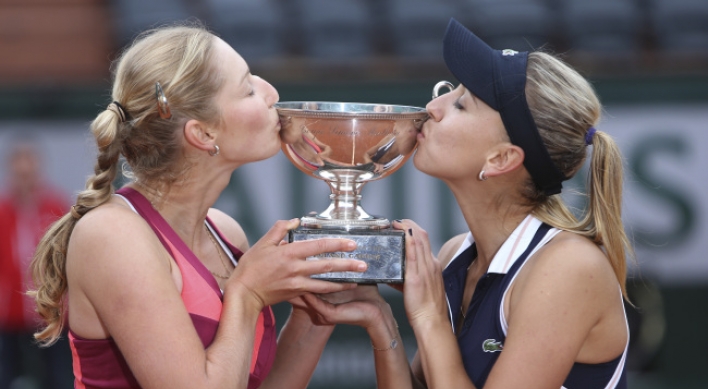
<point x="532" y="296"/>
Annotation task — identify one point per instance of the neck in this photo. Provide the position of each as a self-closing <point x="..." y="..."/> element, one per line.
<point x="184" y="204"/>
<point x="490" y="218"/>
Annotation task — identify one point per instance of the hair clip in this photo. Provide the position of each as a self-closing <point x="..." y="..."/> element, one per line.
<point x="163" y="108"/>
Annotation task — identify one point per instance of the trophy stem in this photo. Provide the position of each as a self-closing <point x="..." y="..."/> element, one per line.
<point x="345" y="199"/>
<point x="345" y="211"/>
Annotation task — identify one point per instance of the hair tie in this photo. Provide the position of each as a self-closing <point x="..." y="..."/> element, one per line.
<point x="589" y="135"/>
<point x="119" y="110"/>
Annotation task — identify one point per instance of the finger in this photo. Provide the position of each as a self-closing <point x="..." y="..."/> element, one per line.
<point x="317" y="286"/>
<point x="323" y="309"/>
<point x="424" y="253"/>
<point x="314" y="247"/>
<point x="320" y="266"/>
<point x="277" y="233"/>
<point x="345" y="314"/>
<point x="339" y="297"/>
<point x="399" y="224"/>
<point x="316" y="302"/>
<point x="411" y="253"/>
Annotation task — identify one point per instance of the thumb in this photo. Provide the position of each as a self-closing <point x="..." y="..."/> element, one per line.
<point x="276" y="234"/>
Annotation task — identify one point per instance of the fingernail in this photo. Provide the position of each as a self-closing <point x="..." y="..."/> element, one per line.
<point x="351" y="245"/>
<point x="361" y="267"/>
<point x="410" y="231"/>
<point x="398" y="221"/>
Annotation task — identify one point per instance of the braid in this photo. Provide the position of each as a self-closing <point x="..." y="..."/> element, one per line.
<point x="99" y="188"/>
<point x="48" y="266"/>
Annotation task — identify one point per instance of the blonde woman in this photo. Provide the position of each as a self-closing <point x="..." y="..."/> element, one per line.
<point x="531" y="297"/>
<point x="158" y="289"/>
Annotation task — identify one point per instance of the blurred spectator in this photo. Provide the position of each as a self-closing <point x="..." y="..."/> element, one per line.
<point x="28" y="205"/>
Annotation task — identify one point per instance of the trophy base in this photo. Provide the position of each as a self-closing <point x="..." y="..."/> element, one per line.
<point x="383" y="250"/>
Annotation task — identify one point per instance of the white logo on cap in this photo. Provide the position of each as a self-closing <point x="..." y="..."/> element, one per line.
<point x="506" y="52"/>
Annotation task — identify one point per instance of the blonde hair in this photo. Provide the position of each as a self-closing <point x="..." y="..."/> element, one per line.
<point x="564" y="106"/>
<point x="180" y="58"/>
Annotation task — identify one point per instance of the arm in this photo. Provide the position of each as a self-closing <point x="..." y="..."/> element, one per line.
<point x="125" y="280"/>
<point x="300" y="342"/>
<point x="445" y="255"/>
<point x="364" y="307"/>
<point x="300" y="346"/>
<point x="426" y="308"/>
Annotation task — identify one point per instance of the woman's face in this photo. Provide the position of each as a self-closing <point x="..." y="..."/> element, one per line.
<point x="454" y="142"/>
<point x="250" y="124"/>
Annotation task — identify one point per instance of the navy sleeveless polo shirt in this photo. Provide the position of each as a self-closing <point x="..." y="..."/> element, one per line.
<point x="482" y="334"/>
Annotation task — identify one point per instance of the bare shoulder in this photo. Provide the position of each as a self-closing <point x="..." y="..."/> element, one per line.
<point x="450" y="248"/>
<point x="564" y="305"/>
<point x="571" y="263"/>
<point x="231" y="229"/>
<point x="111" y="233"/>
<point x="115" y="262"/>
<point x="576" y="254"/>
<point x="107" y="224"/>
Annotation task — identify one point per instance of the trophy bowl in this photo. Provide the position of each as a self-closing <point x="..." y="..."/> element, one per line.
<point x="347" y="145"/>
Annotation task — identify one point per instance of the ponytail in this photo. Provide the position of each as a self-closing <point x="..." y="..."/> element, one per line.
<point x="564" y="107"/>
<point x="603" y="220"/>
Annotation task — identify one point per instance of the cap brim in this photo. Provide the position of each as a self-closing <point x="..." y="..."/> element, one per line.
<point x="471" y="61"/>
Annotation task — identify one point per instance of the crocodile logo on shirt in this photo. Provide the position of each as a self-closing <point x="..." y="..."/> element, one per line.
<point x="492" y="346"/>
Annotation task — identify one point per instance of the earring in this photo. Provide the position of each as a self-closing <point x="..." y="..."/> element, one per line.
<point x="215" y="152"/>
<point x="481" y="176"/>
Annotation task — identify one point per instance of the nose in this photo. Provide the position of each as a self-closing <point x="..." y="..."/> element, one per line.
<point x="270" y="93"/>
<point x="434" y="108"/>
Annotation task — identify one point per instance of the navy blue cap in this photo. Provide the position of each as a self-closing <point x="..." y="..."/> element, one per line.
<point x="498" y="77"/>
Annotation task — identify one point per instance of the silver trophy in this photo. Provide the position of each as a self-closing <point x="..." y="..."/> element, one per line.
<point x="348" y="145"/>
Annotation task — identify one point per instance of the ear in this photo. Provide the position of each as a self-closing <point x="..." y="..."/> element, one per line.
<point x="199" y="135"/>
<point x="504" y="159"/>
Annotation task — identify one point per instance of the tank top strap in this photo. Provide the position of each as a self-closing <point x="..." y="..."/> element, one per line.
<point x="168" y="237"/>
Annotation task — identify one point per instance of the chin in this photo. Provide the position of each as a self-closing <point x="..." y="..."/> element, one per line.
<point x="417" y="159"/>
<point x="421" y="164"/>
<point x="275" y="148"/>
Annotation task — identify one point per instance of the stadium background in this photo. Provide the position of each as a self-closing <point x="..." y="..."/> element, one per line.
<point x="648" y="60"/>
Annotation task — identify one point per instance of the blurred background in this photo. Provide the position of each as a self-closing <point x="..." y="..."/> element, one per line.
<point x="648" y="60"/>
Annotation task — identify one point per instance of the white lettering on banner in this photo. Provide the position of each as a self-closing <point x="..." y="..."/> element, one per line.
<point x="665" y="209"/>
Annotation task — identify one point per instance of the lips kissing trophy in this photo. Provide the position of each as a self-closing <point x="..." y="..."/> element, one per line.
<point x="348" y="145"/>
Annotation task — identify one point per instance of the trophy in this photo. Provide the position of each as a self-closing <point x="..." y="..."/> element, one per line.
<point x="348" y="145"/>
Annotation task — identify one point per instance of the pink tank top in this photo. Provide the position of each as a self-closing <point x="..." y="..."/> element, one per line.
<point x="98" y="363"/>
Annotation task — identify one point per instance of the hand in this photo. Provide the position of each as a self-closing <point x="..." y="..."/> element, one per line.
<point x="423" y="290"/>
<point x="272" y="271"/>
<point x="362" y="306"/>
<point x="301" y="309"/>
